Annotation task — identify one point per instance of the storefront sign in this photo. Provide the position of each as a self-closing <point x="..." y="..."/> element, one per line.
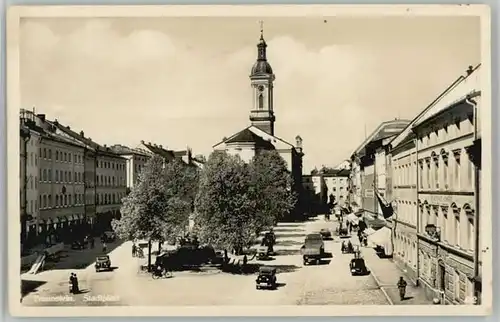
<point x="440" y="199"/>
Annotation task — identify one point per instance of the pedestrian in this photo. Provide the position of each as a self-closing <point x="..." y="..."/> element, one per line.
<point x="133" y="250"/>
<point x="92" y="242"/>
<point x="75" y="283"/>
<point x="402" y="288"/>
<point x="104" y="247"/>
<point x="71" y="283"/>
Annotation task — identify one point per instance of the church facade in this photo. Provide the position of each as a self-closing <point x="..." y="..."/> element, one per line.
<point x="260" y="134"/>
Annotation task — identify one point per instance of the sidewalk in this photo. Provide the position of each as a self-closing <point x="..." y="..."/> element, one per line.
<point x="386" y="274"/>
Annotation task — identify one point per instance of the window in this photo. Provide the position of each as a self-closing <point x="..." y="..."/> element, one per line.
<point x="470" y="171"/>
<point x="456" y="230"/>
<point x="69" y="200"/>
<point x="261" y="102"/>
<point x="444" y="156"/>
<point x="50" y="154"/>
<point x="470" y="227"/>
<point x="444" y="225"/>
<point x="57" y="200"/>
<point x="420" y="175"/>
<point x="45" y="153"/>
<point x="70" y="176"/>
<point x="50" y="201"/>
<point x="456" y="285"/>
<point x="44" y="177"/>
<point x="57" y="175"/>
<point x="44" y="201"/>
<point x="49" y="174"/>
<point x="69" y="157"/>
<point x="428" y="173"/>
<point x="456" y="179"/>
<point x="65" y="200"/>
<point x="57" y="155"/>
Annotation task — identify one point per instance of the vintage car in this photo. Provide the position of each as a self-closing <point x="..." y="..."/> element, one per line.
<point x="313" y="249"/>
<point x="326" y="233"/>
<point x="102" y="263"/>
<point x="266" y="278"/>
<point x="358" y="267"/>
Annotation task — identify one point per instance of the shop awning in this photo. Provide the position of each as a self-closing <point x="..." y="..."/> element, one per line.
<point x="381" y="237"/>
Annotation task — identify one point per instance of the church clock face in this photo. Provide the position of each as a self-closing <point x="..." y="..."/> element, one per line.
<point x="261" y="88"/>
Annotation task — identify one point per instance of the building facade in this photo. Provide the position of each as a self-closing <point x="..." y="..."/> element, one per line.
<point x="136" y="160"/>
<point x="55" y="168"/>
<point x="447" y="234"/>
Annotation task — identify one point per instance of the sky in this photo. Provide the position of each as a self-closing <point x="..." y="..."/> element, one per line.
<point x="185" y="81"/>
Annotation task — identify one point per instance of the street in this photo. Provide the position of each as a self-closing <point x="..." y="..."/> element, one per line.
<point x="329" y="283"/>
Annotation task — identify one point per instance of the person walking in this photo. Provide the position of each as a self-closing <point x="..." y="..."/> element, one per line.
<point x="104" y="247"/>
<point x="402" y="288"/>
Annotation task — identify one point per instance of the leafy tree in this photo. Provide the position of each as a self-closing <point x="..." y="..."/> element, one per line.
<point x="157" y="207"/>
<point x="225" y="205"/>
<point x="271" y="184"/>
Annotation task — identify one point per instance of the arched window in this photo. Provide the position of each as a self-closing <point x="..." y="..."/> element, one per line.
<point x="44" y="201"/>
<point x="44" y="174"/>
<point x="261" y="102"/>
<point x="57" y="200"/>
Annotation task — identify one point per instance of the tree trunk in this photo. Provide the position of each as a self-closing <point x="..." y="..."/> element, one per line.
<point x="159" y="247"/>
<point x="149" y="255"/>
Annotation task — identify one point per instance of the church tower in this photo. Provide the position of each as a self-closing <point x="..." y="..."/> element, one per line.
<point x="262" y="78"/>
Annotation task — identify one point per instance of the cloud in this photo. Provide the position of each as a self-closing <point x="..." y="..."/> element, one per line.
<point x="122" y="87"/>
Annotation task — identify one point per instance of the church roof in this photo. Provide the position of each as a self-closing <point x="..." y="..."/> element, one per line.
<point x="247" y="136"/>
<point x="253" y="134"/>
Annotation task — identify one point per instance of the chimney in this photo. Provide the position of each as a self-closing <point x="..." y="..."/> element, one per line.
<point x="161" y="146"/>
<point x="41" y="117"/>
<point x="105" y="145"/>
<point x="470" y="70"/>
<point x="149" y="143"/>
<point x="82" y="134"/>
<point x="142" y="141"/>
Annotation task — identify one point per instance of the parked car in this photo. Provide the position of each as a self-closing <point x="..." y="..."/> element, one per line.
<point x="266" y="278"/>
<point x="102" y="263"/>
<point x="313" y="249"/>
<point x="358" y="267"/>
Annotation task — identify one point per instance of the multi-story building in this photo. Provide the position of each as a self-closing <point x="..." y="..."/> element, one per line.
<point x="58" y="182"/>
<point x="105" y="180"/>
<point x="369" y="166"/>
<point x="111" y="187"/>
<point x="448" y="242"/>
<point x="136" y="160"/>
<point x="322" y="184"/>
<point x="24" y="137"/>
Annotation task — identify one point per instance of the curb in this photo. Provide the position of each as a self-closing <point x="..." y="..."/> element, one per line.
<point x="377" y="281"/>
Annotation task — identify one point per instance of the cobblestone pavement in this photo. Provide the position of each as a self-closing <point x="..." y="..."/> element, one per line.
<point x="327" y="284"/>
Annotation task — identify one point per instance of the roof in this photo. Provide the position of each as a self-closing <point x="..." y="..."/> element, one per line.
<point x="159" y="150"/>
<point x="384" y="130"/>
<point x="87" y="142"/>
<point x="405" y="135"/>
<point x="253" y="134"/>
<point x="125" y="150"/>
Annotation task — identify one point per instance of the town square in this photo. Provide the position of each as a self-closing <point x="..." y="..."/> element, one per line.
<point x="254" y="162"/>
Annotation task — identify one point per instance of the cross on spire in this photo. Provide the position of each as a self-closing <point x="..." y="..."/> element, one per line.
<point x="261" y="22"/>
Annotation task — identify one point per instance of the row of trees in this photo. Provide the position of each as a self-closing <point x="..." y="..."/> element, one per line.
<point x="231" y="201"/>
